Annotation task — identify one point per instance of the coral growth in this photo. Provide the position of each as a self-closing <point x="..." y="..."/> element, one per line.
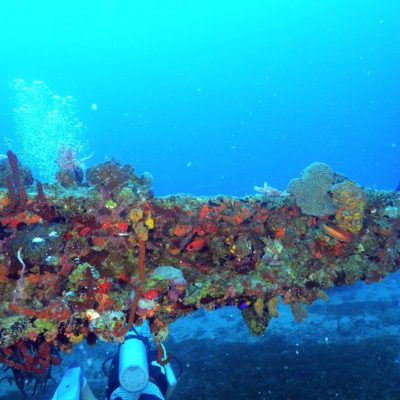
<point x="70" y="173"/>
<point x="89" y="266"/>
<point x="311" y="190"/>
<point x="110" y="176"/>
<point x="349" y="200"/>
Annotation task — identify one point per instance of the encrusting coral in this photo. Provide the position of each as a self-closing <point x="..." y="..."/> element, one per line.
<point x="349" y="200"/>
<point x="89" y="264"/>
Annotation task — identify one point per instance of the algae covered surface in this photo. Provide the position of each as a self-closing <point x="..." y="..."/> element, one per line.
<point x="86" y="258"/>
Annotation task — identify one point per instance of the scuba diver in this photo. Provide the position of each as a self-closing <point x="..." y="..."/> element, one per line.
<point x="133" y="374"/>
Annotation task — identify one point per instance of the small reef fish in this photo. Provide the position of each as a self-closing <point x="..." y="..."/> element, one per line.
<point x="37" y="240"/>
<point x="338" y="233"/>
<point x="150" y="294"/>
<point x="196" y="244"/>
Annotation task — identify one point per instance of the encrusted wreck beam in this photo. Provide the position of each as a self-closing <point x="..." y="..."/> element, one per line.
<point x="111" y="254"/>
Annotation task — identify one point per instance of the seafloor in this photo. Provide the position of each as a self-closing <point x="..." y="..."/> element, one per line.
<point x="348" y="348"/>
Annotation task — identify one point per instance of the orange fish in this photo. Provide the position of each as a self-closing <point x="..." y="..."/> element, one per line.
<point x="122" y="226"/>
<point x="150" y="294"/>
<point x="338" y="233"/>
<point x="84" y="231"/>
<point x="196" y="244"/>
<point x="103" y="287"/>
<point x="280" y="232"/>
<point x="33" y="219"/>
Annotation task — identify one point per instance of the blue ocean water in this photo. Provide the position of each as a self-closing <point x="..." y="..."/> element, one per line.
<point x="215" y="97"/>
<point x="218" y="96"/>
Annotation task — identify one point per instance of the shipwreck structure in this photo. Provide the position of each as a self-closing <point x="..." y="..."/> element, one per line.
<point x="85" y="259"/>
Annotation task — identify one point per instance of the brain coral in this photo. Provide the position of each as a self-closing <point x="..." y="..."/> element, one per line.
<point x="311" y="190"/>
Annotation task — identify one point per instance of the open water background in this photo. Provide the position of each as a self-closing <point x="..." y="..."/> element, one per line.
<point x="216" y="97"/>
